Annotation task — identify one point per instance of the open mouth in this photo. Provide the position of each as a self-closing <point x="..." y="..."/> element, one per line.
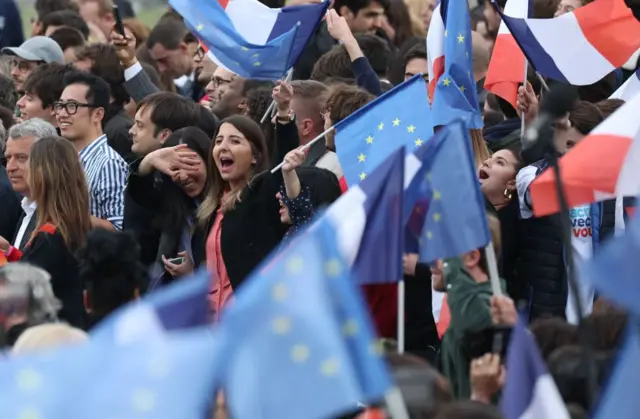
<point x="225" y="163"/>
<point x="64" y="125"/>
<point x="482" y="174"/>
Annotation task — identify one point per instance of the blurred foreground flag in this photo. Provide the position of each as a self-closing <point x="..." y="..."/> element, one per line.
<point x="456" y="220"/>
<point x="630" y="88"/>
<point x="169" y="378"/>
<point x="181" y="305"/>
<point x="248" y="38"/>
<point x="619" y="399"/>
<point x="601" y="166"/>
<point x="506" y="68"/>
<point x="529" y="391"/>
<point x="400" y="117"/>
<point x="296" y="327"/>
<point x="579" y="47"/>
<point x="368" y="223"/>
<point x="614" y="270"/>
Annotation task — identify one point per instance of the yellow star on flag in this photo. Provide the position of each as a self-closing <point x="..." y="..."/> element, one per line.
<point x="460" y="38"/>
<point x="437" y="217"/>
<point x="418" y="142"/>
<point x="200" y="27"/>
<point x="257" y="64"/>
<point x="411" y="128"/>
<point x="244" y="49"/>
<point x="299" y="353"/>
<point x="429" y="235"/>
<point x="361" y="158"/>
<point x="437" y="195"/>
<point x="446" y="81"/>
<point x="369" y="140"/>
<point x="396" y="122"/>
<point x="329" y="367"/>
<point x="446" y="33"/>
<point x="363" y="176"/>
<point x="380" y="126"/>
<point x="462" y="89"/>
<point x="256" y="55"/>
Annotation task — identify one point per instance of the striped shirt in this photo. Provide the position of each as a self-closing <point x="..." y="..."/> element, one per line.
<point x="107" y="176"/>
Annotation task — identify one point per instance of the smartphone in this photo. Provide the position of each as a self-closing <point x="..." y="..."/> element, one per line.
<point x="177" y="261"/>
<point x="118" y="18"/>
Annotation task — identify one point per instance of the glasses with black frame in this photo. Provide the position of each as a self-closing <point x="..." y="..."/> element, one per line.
<point x="71" y="107"/>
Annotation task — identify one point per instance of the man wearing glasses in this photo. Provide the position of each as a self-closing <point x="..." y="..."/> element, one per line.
<point x="29" y="55"/>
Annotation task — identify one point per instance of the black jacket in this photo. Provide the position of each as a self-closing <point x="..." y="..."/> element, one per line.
<point x="49" y="251"/>
<point x="10" y="208"/>
<point x="116" y="126"/>
<point x="320" y="43"/>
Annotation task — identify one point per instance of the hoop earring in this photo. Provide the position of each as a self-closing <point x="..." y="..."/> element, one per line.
<point x="508" y="194"/>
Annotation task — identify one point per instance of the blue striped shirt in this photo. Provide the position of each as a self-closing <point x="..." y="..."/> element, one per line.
<point x="107" y="176"/>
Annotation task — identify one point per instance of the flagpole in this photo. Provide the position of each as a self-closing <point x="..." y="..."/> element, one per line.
<point x="525" y="84"/>
<point x="306" y="146"/>
<point x="395" y="404"/>
<point x="400" y="337"/>
<point x="272" y="106"/>
<point x="492" y="265"/>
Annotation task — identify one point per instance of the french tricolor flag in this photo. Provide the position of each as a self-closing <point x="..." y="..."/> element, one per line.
<point x="529" y="391"/>
<point x="435" y="45"/>
<point x="506" y="68"/>
<point x="580" y="47"/>
<point x="259" y="24"/>
<point x="601" y="166"/>
<point x="629" y="89"/>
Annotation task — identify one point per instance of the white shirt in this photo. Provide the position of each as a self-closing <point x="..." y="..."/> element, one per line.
<point x="29" y="209"/>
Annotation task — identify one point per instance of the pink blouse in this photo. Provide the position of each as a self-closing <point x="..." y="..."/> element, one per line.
<point x="221" y="291"/>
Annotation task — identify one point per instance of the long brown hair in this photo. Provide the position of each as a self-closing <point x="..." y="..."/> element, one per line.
<point x="216" y="186"/>
<point x="59" y="188"/>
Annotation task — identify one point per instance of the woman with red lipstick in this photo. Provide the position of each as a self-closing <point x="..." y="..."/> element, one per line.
<point x="240" y="203"/>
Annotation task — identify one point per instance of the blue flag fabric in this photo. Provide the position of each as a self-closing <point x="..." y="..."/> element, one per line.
<point x="456" y="220"/>
<point x="209" y="22"/>
<point x="289" y="332"/>
<point x="180" y="305"/>
<point x="619" y="399"/>
<point x="455" y="96"/>
<point x="613" y="271"/>
<point x="169" y="378"/>
<point x="529" y="389"/>
<point x="400" y="117"/>
<point x="368" y="219"/>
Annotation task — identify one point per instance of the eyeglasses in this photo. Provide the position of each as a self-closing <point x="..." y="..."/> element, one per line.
<point x="71" y="107"/>
<point x="199" y="54"/>
<point x="23" y="66"/>
<point x="219" y="81"/>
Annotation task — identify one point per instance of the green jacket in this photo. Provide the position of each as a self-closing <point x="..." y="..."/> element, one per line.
<point x="470" y="306"/>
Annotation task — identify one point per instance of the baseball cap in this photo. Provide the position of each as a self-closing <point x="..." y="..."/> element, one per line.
<point x="38" y="48"/>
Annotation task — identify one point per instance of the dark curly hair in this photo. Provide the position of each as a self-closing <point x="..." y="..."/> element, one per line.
<point x="110" y="267"/>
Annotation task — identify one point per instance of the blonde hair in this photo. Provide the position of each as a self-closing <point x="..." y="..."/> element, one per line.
<point x="480" y="149"/>
<point x="47" y="336"/>
<point x="416" y="10"/>
<point x="59" y="188"/>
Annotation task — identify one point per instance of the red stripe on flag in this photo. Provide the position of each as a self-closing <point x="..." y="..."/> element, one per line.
<point x="438" y="70"/>
<point x="607" y="24"/>
<point x="593" y="165"/>
<point x="506" y="69"/>
<point x="223" y="3"/>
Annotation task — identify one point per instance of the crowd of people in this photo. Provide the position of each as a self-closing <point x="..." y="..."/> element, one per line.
<point x="131" y="161"/>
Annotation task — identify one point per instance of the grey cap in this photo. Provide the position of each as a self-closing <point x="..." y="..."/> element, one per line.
<point x="38" y="48"/>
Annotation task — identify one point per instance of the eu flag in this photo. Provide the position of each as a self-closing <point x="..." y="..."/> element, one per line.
<point x="619" y="399"/>
<point x="456" y="220"/>
<point x="209" y="22"/>
<point x="167" y="378"/>
<point x="181" y="305"/>
<point x="368" y="221"/>
<point x="296" y="328"/>
<point x="613" y="271"/>
<point x="400" y="117"/>
<point x="455" y="96"/>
